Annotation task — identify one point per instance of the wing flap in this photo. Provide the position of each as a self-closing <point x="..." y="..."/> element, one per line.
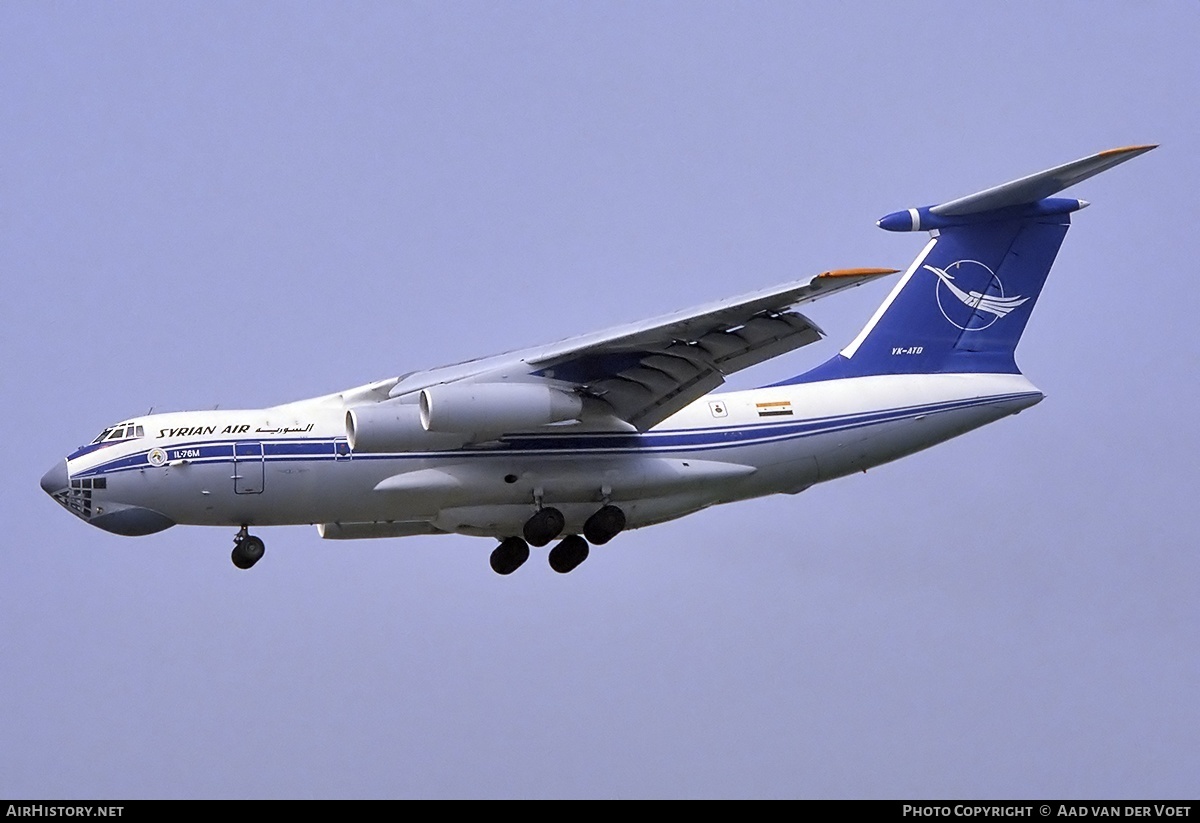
<point x="664" y="381"/>
<point x="677" y="369"/>
<point x="766" y="347"/>
<point x="648" y="408"/>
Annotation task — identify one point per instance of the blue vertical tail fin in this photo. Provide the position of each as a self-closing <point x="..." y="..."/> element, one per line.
<point x="964" y="302"/>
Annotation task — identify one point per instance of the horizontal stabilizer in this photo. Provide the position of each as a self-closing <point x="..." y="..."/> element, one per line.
<point x="1024" y="197"/>
<point x="1037" y="186"/>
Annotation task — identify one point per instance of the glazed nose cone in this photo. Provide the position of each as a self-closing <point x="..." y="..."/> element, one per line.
<point x="55" y="480"/>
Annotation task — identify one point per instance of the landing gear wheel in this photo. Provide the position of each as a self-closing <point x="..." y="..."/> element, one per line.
<point x="247" y="551"/>
<point x="604" y="525"/>
<point x="509" y="555"/>
<point x="545" y="525"/>
<point x="568" y="554"/>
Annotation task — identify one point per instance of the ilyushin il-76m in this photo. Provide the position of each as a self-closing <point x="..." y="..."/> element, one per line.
<point x="574" y="442"/>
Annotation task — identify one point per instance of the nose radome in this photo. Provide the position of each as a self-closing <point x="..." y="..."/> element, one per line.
<point x="55" y="480"/>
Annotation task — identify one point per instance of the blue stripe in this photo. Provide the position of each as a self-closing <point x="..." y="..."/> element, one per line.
<point x="696" y="439"/>
<point x="91" y="447"/>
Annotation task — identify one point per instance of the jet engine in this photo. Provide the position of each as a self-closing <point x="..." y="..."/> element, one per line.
<point x="394" y="427"/>
<point x="495" y="408"/>
<point x="451" y="415"/>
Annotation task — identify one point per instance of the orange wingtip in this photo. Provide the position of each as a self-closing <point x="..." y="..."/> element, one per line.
<point x="856" y="272"/>
<point x="1127" y="149"/>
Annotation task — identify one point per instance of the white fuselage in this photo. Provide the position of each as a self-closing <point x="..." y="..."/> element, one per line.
<point x="292" y="464"/>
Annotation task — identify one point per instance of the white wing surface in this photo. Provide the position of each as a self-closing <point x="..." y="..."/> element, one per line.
<point x="643" y="372"/>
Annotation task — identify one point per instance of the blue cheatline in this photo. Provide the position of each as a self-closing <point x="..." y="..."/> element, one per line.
<point x="656" y="442"/>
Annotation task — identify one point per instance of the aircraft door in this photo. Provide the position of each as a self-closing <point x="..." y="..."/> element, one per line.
<point x="248" y="468"/>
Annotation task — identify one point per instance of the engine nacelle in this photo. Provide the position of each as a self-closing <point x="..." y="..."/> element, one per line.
<point x="394" y="427"/>
<point x="479" y="409"/>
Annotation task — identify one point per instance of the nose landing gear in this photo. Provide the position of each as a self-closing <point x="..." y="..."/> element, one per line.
<point x="247" y="549"/>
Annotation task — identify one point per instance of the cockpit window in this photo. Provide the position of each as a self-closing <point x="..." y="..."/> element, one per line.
<point x="122" y="432"/>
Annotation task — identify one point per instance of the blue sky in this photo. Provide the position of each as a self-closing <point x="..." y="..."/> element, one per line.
<point x="205" y="203"/>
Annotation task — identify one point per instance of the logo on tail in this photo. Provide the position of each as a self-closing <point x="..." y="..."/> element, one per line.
<point x="973" y="307"/>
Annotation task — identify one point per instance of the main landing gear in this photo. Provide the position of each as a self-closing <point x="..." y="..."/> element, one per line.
<point x="546" y="524"/>
<point x="569" y="553"/>
<point x="247" y="549"/>
<point x="509" y="555"/>
<point x="604" y="525"/>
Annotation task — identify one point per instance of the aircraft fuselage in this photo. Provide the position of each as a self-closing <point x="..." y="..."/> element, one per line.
<point x="292" y="464"/>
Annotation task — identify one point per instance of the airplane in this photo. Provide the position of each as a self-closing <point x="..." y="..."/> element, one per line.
<point x="579" y="440"/>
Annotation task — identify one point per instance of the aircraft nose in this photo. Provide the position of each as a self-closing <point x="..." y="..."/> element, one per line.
<point x="55" y="480"/>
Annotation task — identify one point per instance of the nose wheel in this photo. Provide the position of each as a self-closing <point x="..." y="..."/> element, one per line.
<point x="247" y="549"/>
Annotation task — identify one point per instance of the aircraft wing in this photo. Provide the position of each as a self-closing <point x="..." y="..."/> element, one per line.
<point x="646" y="371"/>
